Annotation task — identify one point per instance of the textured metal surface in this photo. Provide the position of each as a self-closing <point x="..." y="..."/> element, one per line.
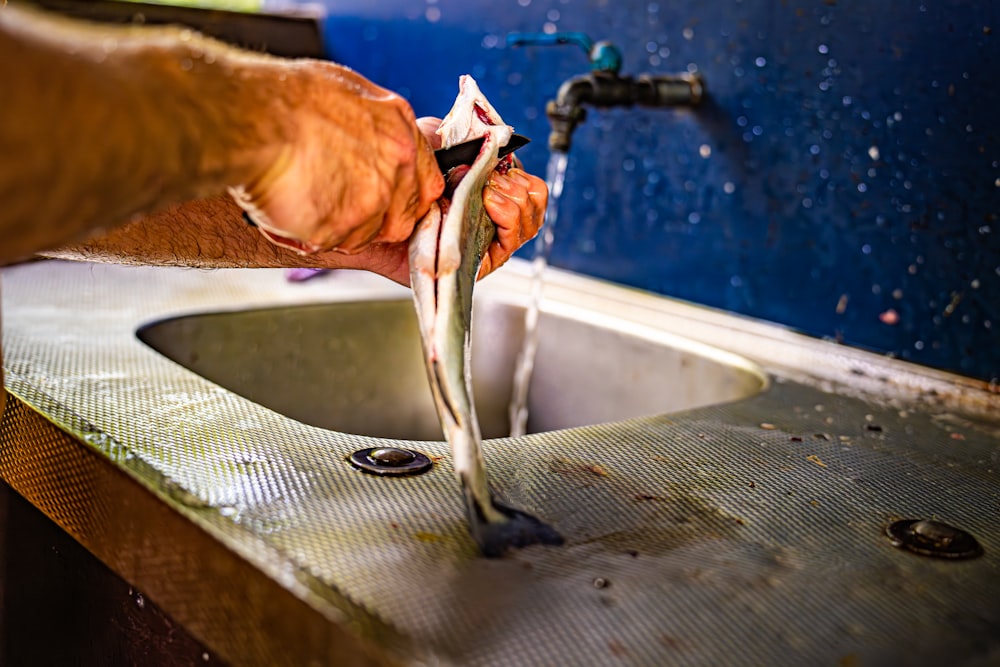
<point x="218" y="596"/>
<point x="744" y="534"/>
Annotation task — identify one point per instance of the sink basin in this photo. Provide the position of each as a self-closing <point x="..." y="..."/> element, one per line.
<point x="356" y="367"/>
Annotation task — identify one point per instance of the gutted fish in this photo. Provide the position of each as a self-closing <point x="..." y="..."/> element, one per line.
<point x="446" y="250"/>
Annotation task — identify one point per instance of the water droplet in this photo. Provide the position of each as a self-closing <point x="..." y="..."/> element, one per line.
<point x="823" y="49"/>
<point x="705" y="151"/>
<point x="433" y="14"/>
<point x="760" y="61"/>
<point x="553" y="15"/>
<point x="866" y="249"/>
<point x="184" y="35"/>
<point x="688" y="33"/>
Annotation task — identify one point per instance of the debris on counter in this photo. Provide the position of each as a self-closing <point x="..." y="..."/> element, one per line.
<point x="598" y="470"/>
<point x="812" y="458"/>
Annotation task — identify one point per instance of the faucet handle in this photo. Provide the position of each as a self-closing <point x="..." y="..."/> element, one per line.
<point x="604" y="56"/>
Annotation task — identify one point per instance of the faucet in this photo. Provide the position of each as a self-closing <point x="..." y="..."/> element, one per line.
<point x="604" y="87"/>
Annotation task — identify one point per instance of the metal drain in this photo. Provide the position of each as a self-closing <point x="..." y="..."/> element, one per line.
<point x="390" y="461"/>
<point x="933" y="538"/>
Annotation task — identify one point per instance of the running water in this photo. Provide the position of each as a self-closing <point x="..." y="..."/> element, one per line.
<point x="554" y="176"/>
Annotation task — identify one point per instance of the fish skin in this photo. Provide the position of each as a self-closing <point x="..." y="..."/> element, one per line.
<point x="446" y="252"/>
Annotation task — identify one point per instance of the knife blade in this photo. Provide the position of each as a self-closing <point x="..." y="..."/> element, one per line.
<point x="466" y="152"/>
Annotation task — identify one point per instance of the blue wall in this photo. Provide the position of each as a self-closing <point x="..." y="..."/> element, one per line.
<point x="845" y="166"/>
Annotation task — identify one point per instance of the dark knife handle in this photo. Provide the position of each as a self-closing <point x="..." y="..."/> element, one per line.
<point x="467" y="152"/>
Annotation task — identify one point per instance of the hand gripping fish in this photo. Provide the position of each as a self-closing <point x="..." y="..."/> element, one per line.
<point x="446" y="250"/>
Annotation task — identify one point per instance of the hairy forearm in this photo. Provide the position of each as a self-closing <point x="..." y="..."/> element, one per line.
<point x="103" y="123"/>
<point x="211" y="233"/>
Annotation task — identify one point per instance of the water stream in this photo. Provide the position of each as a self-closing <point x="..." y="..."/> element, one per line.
<point x="555" y="174"/>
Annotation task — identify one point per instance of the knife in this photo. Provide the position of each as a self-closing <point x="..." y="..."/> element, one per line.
<point x="467" y="151"/>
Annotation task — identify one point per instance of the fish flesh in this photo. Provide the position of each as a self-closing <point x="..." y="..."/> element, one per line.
<point x="445" y="254"/>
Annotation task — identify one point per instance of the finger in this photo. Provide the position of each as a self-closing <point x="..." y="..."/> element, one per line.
<point x="506" y="213"/>
<point x="361" y="236"/>
<point x="530" y="195"/>
<point x="418" y="183"/>
<point x="428" y="126"/>
<point x="517" y="218"/>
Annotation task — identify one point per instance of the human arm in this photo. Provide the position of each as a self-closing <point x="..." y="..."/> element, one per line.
<point x="104" y="124"/>
<point x="211" y="233"/>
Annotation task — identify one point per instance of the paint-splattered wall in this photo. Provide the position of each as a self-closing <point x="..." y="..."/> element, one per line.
<point x="843" y="179"/>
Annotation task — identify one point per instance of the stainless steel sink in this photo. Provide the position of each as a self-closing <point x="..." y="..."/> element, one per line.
<point x="356" y="367"/>
<point x="219" y="508"/>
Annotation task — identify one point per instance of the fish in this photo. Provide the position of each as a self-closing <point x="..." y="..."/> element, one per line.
<point x="445" y="254"/>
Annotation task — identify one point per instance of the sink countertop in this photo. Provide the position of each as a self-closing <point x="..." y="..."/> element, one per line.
<point x="744" y="533"/>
